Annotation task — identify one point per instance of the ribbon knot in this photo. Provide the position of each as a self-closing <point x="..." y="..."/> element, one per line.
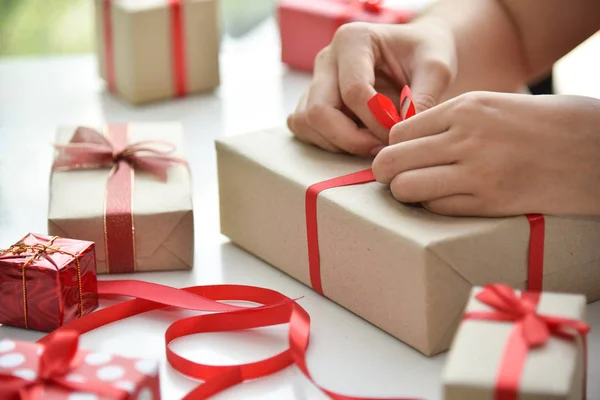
<point x="89" y="149"/>
<point x="536" y="329"/>
<point x="372" y="6"/>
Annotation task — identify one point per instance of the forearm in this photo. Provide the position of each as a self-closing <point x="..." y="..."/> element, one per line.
<point x="502" y="44"/>
<point x="490" y="55"/>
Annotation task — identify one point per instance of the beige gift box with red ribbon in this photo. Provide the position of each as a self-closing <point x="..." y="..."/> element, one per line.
<point x="157" y="49"/>
<point x="404" y="269"/>
<point x="488" y="361"/>
<point x="159" y="219"/>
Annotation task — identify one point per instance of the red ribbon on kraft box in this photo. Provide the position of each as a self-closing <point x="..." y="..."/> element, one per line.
<point x="90" y="149"/>
<point x="178" y="46"/>
<point x="531" y="330"/>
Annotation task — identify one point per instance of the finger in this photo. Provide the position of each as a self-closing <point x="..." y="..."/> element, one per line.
<point x="416" y="154"/>
<point x="422" y="185"/>
<point x="324" y="115"/>
<point x="298" y="123"/>
<point x="356" y="74"/>
<point x="464" y="205"/>
<point x="428" y="123"/>
<point x="339" y="130"/>
<point x="430" y="81"/>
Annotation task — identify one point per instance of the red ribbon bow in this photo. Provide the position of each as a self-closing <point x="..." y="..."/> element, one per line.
<point x="89" y="149"/>
<point x="532" y="330"/>
<point x="58" y="359"/>
<point x="372" y="6"/>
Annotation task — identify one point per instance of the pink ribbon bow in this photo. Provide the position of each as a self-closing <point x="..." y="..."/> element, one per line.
<point x="89" y="149"/>
<point x="57" y="360"/>
<point x="532" y="330"/>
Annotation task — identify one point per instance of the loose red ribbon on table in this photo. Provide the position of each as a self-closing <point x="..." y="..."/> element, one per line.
<point x="275" y="309"/>
<point x="89" y="149"/>
<point x="531" y="330"/>
<point x="384" y="111"/>
<point x="178" y="47"/>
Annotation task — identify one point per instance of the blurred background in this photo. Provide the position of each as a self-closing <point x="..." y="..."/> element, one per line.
<point x="50" y="27"/>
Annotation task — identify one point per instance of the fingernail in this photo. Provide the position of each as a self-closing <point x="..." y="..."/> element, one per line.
<point x="376" y="150"/>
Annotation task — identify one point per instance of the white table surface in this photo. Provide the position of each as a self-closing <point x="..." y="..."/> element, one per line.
<point x="346" y="354"/>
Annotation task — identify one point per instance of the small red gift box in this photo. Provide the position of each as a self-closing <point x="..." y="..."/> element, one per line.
<point x="46" y="282"/>
<point x="58" y="370"/>
<point x="307" y="26"/>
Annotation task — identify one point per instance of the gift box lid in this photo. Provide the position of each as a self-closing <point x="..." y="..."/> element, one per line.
<point x="456" y="241"/>
<point x="52" y="259"/>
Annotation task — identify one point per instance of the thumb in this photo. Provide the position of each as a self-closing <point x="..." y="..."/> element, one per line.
<point x="430" y="81"/>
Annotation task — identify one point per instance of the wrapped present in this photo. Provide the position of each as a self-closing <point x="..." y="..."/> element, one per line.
<point x="307" y="26"/>
<point x="46" y="282"/>
<point x="404" y="269"/>
<point x="518" y="345"/>
<point x="128" y="190"/>
<point x="58" y="370"/>
<point x="158" y="49"/>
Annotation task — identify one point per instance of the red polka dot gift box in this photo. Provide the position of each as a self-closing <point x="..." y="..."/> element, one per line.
<point x="59" y="370"/>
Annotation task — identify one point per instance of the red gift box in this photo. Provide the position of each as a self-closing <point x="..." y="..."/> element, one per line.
<point x="307" y="26"/>
<point x="60" y="371"/>
<point x="46" y="282"/>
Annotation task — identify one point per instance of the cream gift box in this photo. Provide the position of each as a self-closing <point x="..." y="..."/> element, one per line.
<point x="156" y="49"/>
<point x="482" y="348"/>
<point x="402" y="268"/>
<point x="161" y="225"/>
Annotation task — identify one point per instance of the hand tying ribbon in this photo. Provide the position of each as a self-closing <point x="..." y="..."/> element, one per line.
<point x="89" y="149"/>
<point x="32" y="252"/>
<point x="384" y="110"/>
<point x="531" y="330"/>
<point x="56" y="361"/>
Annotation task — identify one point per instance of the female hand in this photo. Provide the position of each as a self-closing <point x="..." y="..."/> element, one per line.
<point x="364" y="59"/>
<point x="492" y="154"/>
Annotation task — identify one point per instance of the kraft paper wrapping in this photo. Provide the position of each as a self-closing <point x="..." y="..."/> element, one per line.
<point x="404" y="269"/>
<point x="553" y="372"/>
<point x="142" y="47"/>
<point x="163" y="216"/>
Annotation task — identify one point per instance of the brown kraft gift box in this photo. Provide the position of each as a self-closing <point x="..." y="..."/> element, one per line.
<point x="141" y="36"/>
<point x="404" y="269"/>
<point x="163" y="221"/>
<point x="553" y="371"/>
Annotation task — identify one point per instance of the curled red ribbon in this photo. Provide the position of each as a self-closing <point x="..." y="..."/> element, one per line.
<point x="275" y="309"/>
<point x="178" y="47"/>
<point x="89" y="149"/>
<point x="531" y="330"/>
<point x="55" y="362"/>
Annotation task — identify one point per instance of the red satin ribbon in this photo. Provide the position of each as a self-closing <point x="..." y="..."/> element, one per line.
<point x="275" y="309"/>
<point x="109" y="60"/>
<point x="119" y="232"/>
<point x="531" y="330"/>
<point x="178" y="46"/>
<point x="385" y="113"/>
